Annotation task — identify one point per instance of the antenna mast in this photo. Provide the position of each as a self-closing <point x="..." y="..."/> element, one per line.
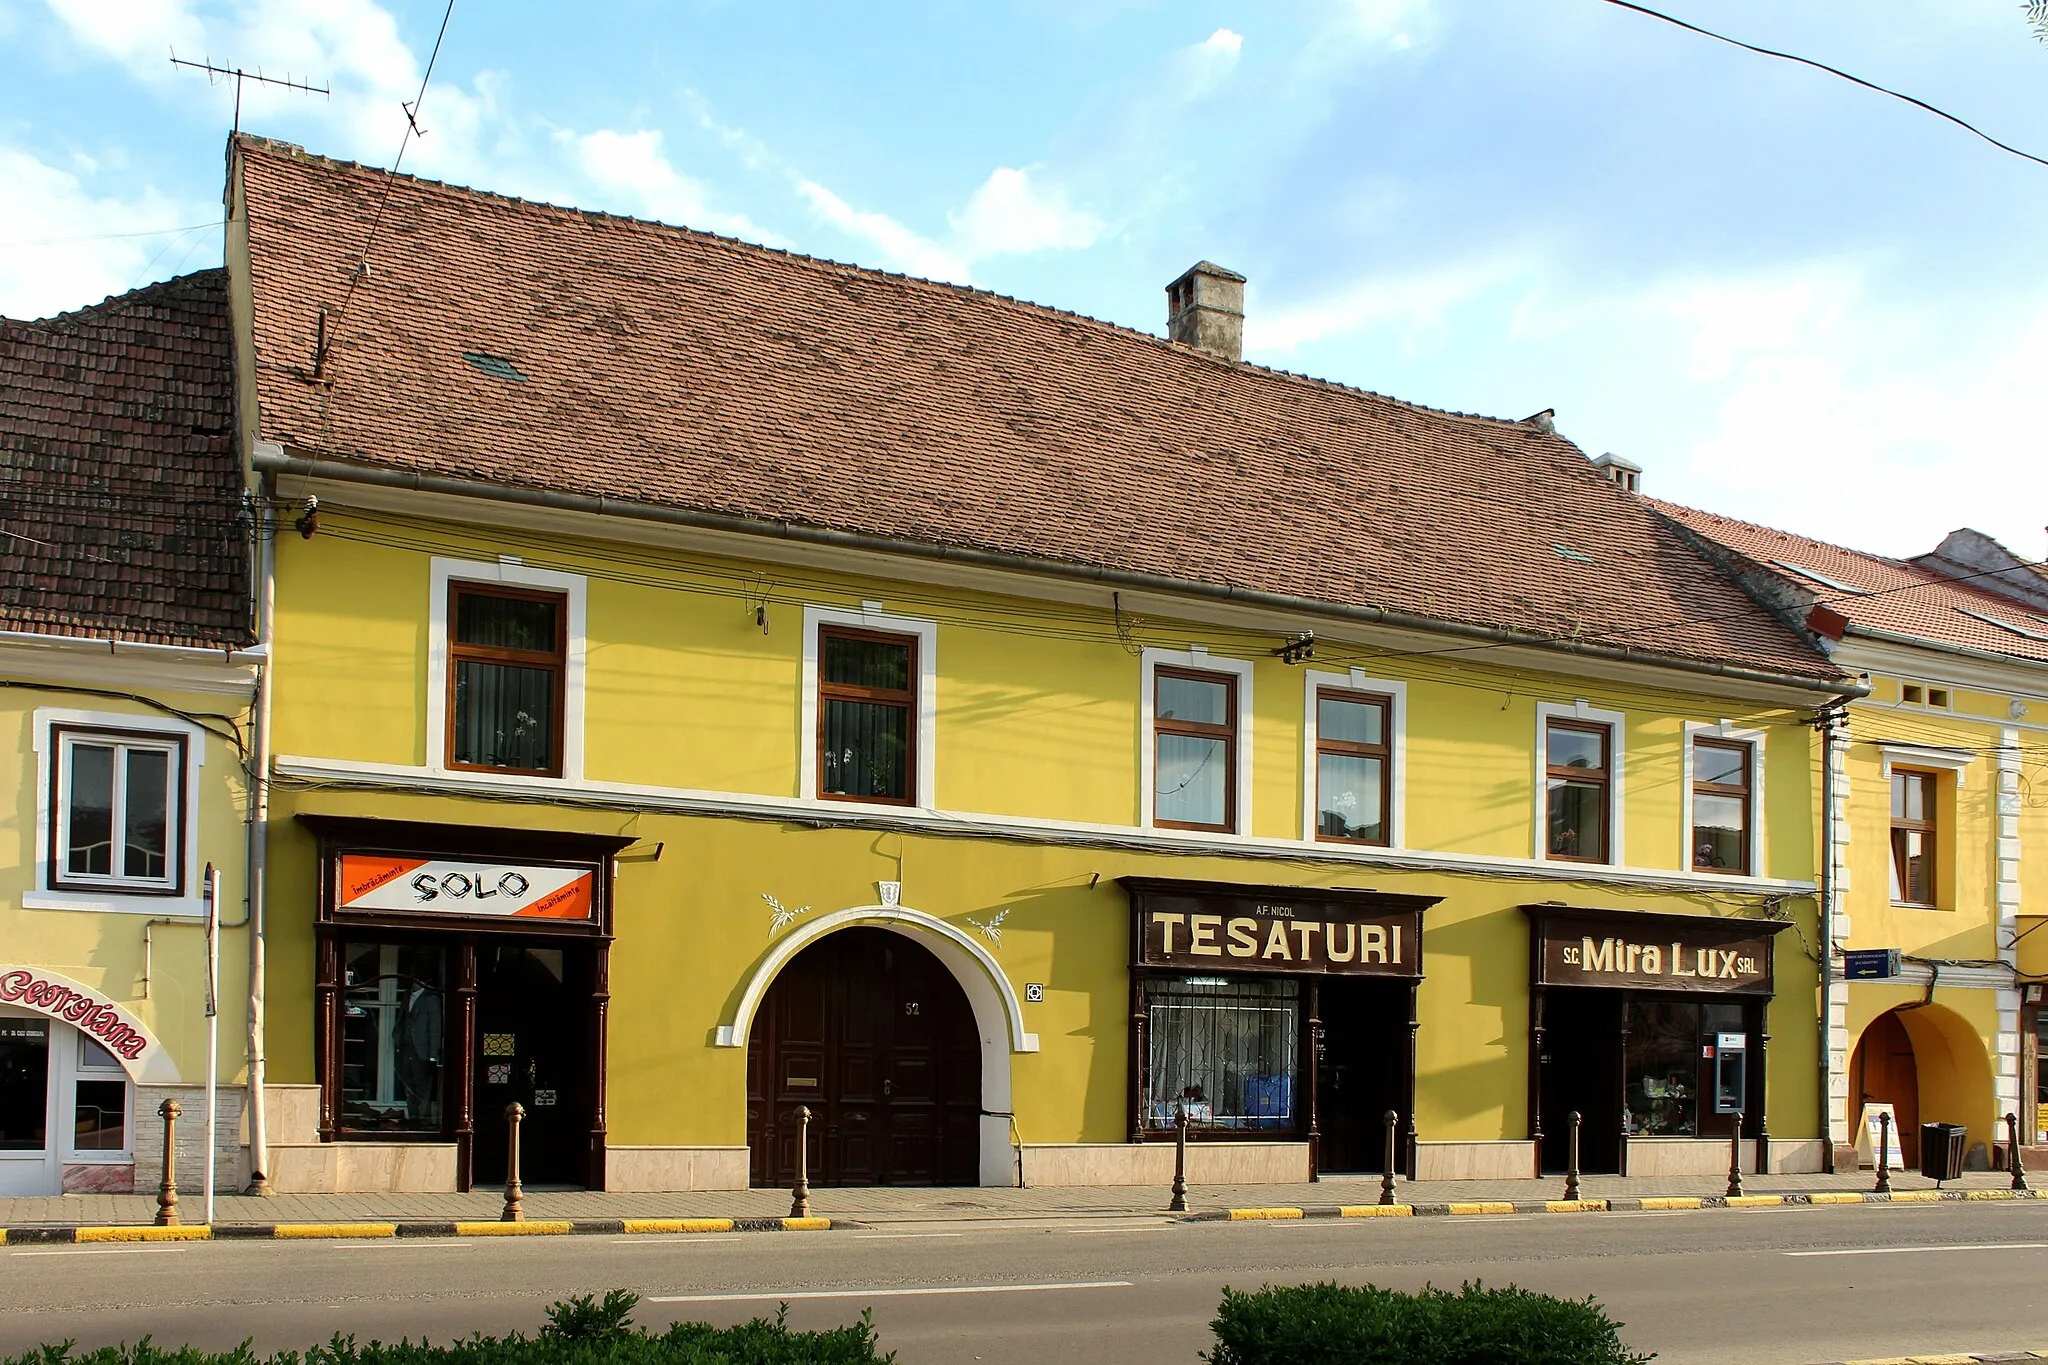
<point x="216" y="74"/>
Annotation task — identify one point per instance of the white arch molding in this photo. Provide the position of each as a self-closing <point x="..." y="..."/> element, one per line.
<point x="998" y="1017"/>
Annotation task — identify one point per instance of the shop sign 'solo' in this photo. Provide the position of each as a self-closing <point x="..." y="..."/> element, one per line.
<point x="435" y="886"/>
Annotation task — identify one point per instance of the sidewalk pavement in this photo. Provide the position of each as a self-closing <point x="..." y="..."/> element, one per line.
<point x="900" y="1204"/>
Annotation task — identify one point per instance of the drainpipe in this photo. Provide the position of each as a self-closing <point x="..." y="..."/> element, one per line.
<point x="259" y="838"/>
<point x="1828" y="739"/>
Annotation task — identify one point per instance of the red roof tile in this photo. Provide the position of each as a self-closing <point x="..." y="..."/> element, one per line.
<point x="120" y="485"/>
<point x="671" y="367"/>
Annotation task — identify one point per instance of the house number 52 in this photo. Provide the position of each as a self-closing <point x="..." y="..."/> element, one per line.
<point x="910" y="1007"/>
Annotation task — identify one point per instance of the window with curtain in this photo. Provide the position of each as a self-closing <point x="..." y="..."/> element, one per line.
<point x="867" y="716"/>
<point x="1576" y="790"/>
<point x="1226" y="1048"/>
<point x="118" y="811"/>
<point x="1720" y="806"/>
<point x="1913" y="830"/>
<point x="507" y="659"/>
<point x="1194" y="737"/>
<point x="1354" y="767"/>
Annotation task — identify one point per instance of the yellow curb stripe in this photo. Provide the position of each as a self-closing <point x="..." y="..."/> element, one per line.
<point x="1835" y="1197"/>
<point x="807" y="1224"/>
<point x="677" y="1225"/>
<point x="1376" y="1211"/>
<point x="3" y="1237"/>
<point x="334" y="1230"/>
<point x="1672" y="1201"/>
<point x="1575" y="1206"/>
<point x="1484" y="1206"/>
<point x="1990" y="1194"/>
<point x="538" y="1228"/>
<point x="1755" y="1201"/>
<point x="1916" y="1197"/>
<point x="1262" y="1215"/>
<point x="198" y="1233"/>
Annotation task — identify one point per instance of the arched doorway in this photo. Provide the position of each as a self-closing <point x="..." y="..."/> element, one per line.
<point x="1885" y="1071"/>
<point x="871" y="1031"/>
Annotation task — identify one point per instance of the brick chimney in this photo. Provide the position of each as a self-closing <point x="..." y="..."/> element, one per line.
<point x="1205" y="309"/>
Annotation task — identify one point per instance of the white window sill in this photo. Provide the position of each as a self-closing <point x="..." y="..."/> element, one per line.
<point x="100" y="1158"/>
<point x="113" y="902"/>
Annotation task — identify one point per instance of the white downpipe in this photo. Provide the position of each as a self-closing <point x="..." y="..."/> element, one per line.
<point x="259" y="845"/>
<point x="212" y="1028"/>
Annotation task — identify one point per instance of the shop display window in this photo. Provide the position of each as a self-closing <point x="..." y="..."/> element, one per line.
<point x="1194" y="722"/>
<point x="24" y="1084"/>
<point x="1576" y="782"/>
<point x="1225" y="1048"/>
<point x="867" y="715"/>
<point x="117" y="811"/>
<point x="99" y="1101"/>
<point x="1353" y="767"/>
<point x="507" y="656"/>
<point x="393" y="1038"/>
<point x="1667" y="1065"/>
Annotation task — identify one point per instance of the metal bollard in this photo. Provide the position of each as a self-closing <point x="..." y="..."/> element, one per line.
<point x="800" y="1193"/>
<point x="1393" y="1121"/>
<point x="514" y="1195"/>
<point x="1179" y="1203"/>
<point x="1735" y="1158"/>
<point x="1884" y="1152"/>
<point x="2012" y="1148"/>
<point x="1571" y="1169"/>
<point x="167" y="1192"/>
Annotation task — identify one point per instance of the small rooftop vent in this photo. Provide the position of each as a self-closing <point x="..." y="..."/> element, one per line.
<point x="1626" y="473"/>
<point x="496" y="366"/>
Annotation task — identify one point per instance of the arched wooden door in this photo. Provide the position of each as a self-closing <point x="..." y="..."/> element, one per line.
<point x="873" y="1033"/>
<point x="1884" y="1071"/>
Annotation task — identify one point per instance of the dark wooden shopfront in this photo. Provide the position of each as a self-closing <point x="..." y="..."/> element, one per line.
<point x="1294" y="1007"/>
<point x="459" y="970"/>
<point x="1625" y="1007"/>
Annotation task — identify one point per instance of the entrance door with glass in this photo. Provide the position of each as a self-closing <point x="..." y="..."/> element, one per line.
<point x="531" y="1048"/>
<point x="1362" y="1073"/>
<point x="65" y="1104"/>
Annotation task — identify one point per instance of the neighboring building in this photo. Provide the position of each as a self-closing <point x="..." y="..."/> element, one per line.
<point x="1939" y="837"/>
<point x="717" y="681"/>
<point x="124" y="617"/>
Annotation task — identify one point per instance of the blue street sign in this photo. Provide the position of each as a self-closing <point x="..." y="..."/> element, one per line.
<point x="1870" y="964"/>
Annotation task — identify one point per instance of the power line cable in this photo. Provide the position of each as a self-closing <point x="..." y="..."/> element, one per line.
<point x="1964" y="124"/>
<point x="104" y="236"/>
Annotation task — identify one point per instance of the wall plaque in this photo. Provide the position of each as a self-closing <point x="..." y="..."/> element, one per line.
<point x="1207" y="927"/>
<point x="1635" y="950"/>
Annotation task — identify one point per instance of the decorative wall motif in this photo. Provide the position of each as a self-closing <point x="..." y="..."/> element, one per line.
<point x="993" y="930"/>
<point x="783" y="915"/>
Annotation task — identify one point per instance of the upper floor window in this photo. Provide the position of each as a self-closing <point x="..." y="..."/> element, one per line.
<point x="1721" y="806"/>
<point x="1354" y="766"/>
<point x="1578" y="790"/>
<point x="117" y="806"/>
<point x="507" y="657"/>
<point x="1913" y="834"/>
<point x="867" y="715"/>
<point x="1194" y="737"/>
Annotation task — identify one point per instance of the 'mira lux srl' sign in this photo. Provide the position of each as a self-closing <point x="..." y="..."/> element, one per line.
<point x="1698" y="954"/>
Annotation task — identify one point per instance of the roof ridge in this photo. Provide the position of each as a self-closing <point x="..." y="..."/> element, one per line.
<point x="1910" y="564"/>
<point x="296" y="152"/>
<point x="53" y="321"/>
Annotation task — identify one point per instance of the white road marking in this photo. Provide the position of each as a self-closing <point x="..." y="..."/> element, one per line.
<point x="88" y="1251"/>
<point x="386" y="1243"/>
<point x="793" y="1295"/>
<point x="681" y="1239"/>
<point x="1150" y="1227"/>
<point x="1901" y="1251"/>
<point x="899" y="1236"/>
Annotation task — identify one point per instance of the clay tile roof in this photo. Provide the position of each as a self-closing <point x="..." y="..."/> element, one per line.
<point x="120" y="485"/>
<point x="667" y="366"/>
<point x="1900" y="597"/>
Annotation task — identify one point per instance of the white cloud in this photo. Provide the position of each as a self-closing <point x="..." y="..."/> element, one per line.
<point x="1204" y="66"/>
<point x="65" y="247"/>
<point x="1009" y="215"/>
<point x="636" y="165"/>
<point x="137" y="33"/>
<point x="1396" y="24"/>
<point x="901" y="247"/>
<point x="1414" y="302"/>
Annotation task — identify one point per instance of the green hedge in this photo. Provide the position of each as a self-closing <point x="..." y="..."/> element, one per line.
<point x="1330" y="1324"/>
<point x="580" y="1331"/>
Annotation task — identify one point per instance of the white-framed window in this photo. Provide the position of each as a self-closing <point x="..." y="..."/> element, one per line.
<point x="867" y="730"/>
<point x="1723" y="797"/>
<point x="117" y="801"/>
<point x="1579" y="792"/>
<point x="506" y="645"/>
<point x="1354" y="760"/>
<point x="1195" y="742"/>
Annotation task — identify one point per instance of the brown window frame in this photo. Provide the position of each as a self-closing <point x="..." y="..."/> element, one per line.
<point x="1743" y="793"/>
<point x="176" y="817"/>
<point x="907" y="698"/>
<point x="1383" y="751"/>
<point x="1603" y="777"/>
<point x="556" y="661"/>
<point x="1930" y="826"/>
<point x="1227" y="732"/>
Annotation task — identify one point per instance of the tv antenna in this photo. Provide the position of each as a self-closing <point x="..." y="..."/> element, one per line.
<point x="216" y="74"/>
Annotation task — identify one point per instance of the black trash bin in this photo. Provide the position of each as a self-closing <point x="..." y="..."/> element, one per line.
<point x="1941" y="1150"/>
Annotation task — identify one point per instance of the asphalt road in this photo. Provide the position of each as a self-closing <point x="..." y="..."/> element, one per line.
<point x="1761" y="1287"/>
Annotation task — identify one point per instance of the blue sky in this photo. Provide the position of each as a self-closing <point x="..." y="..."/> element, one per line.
<point x="1788" y="299"/>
